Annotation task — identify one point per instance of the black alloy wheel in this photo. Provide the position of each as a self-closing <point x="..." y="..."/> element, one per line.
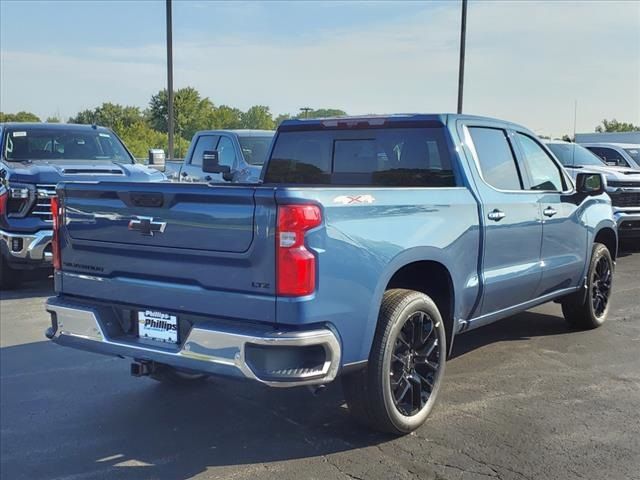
<point x="414" y="365"/>
<point x="601" y="286"/>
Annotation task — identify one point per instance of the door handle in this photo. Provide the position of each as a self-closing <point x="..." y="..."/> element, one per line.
<point x="549" y="212"/>
<point x="496" y="215"/>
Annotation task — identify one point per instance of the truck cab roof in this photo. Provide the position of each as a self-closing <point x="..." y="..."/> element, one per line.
<point x="239" y="132"/>
<point x="51" y="126"/>
<point x="399" y="119"/>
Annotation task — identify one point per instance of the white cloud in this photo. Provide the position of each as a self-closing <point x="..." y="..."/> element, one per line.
<point x="526" y="62"/>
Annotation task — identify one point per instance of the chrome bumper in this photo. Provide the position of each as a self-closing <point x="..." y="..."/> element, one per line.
<point x="33" y="245"/>
<point x="206" y="349"/>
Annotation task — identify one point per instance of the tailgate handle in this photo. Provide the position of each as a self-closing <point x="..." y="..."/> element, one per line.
<point x="147" y="199"/>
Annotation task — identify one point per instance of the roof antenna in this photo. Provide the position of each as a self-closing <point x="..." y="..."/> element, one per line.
<point x="575" y="116"/>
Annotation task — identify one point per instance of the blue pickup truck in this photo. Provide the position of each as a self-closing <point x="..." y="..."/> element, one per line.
<point x="34" y="158"/>
<point x="370" y="244"/>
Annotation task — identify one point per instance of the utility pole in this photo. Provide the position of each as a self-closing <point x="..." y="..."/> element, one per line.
<point x="575" y="118"/>
<point x="169" y="79"/>
<point x="306" y="111"/>
<point x="463" y="39"/>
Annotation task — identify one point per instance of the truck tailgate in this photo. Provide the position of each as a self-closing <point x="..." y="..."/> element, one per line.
<point x="171" y="245"/>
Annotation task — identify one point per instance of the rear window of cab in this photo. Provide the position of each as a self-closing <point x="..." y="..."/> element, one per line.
<point x="402" y="157"/>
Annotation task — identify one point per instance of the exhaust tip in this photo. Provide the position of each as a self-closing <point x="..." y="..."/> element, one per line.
<point x="140" y="369"/>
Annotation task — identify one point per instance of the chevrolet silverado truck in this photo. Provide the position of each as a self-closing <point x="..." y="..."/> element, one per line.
<point x="34" y="158"/>
<point x="369" y="245"/>
<point x="622" y="183"/>
<point x="241" y="154"/>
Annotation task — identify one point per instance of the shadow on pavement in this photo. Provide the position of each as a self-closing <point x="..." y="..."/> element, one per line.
<point x="70" y="413"/>
<point x="519" y="327"/>
<point x="627" y="248"/>
<point x="34" y="286"/>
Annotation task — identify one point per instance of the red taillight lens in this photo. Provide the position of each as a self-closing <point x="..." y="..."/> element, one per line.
<point x="4" y="198"/>
<point x="55" y="241"/>
<point x="296" y="266"/>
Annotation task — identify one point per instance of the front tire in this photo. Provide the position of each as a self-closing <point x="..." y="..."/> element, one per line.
<point x="590" y="310"/>
<point x="397" y="390"/>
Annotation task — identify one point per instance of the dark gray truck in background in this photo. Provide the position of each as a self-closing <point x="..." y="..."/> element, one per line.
<point x="240" y="154"/>
<point x="35" y="157"/>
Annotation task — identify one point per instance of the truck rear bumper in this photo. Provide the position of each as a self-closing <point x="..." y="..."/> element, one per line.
<point x="27" y="249"/>
<point x="273" y="357"/>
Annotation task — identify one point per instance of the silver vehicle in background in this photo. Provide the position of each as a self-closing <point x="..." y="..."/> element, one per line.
<point x="623" y="183"/>
<point x="616" y="154"/>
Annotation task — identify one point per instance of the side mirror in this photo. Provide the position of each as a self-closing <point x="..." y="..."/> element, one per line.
<point x="157" y="159"/>
<point x="590" y="183"/>
<point x="211" y="164"/>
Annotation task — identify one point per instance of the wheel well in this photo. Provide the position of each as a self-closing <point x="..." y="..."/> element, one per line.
<point x="432" y="279"/>
<point x="608" y="238"/>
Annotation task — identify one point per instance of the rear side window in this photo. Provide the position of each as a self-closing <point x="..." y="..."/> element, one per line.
<point x="497" y="162"/>
<point x="393" y="157"/>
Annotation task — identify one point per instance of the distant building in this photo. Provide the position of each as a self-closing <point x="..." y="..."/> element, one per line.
<point x="609" y="137"/>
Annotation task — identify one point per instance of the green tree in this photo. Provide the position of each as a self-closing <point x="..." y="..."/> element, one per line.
<point x="19" y="117"/>
<point x="191" y="112"/>
<point x="225" y="117"/>
<point x="129" y="123"/>
<point x="281" y="118"/>
<point x="322" y="113"/>
<point x="140" y="137"/>
<point x="53" y="119"/>
<point x="258" y="117"/>
<point x="111" y="115"/>
<point x="616" y="126"/>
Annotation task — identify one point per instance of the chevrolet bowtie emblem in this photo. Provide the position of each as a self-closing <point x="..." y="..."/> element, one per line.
<point x="146" y="225"/>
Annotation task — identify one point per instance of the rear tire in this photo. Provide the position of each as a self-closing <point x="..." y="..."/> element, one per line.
<point x="588" y="310"/>
<point x="9" y="278"/>
<point x="397" y="390"/>
<point x="172" y="376"/>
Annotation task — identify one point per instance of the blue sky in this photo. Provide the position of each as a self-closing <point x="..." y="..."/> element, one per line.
<point x="526" y="61"/>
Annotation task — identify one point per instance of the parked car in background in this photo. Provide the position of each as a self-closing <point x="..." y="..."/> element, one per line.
<point x="369" y="245"/>
<point x="34" y="158"/>
<point x="623" y="184"/>
<point x="616" y="154"/>
<point x="241" y="154"/>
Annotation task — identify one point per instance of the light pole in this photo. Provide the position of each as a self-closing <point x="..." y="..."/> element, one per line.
<point x="463" y="38"/>
<point x="169" y="79"/>
<point x="306" y="111"/>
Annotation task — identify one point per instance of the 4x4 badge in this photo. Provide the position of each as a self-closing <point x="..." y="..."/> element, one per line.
<point x="146" y="225"/>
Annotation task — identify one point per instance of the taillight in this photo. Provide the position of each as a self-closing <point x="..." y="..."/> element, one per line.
<point x="296" y="266"/>
<point x="56" y="211"/>
<point x="4" y="198"/>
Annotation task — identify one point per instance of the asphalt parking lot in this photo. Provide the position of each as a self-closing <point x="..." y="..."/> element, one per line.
<point x="525" y="398"/>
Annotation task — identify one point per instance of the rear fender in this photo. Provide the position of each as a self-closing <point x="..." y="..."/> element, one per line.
<point x="407" y="257"/>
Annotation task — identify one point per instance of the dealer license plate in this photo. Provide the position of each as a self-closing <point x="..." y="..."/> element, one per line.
<point x="158" y="326"/>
